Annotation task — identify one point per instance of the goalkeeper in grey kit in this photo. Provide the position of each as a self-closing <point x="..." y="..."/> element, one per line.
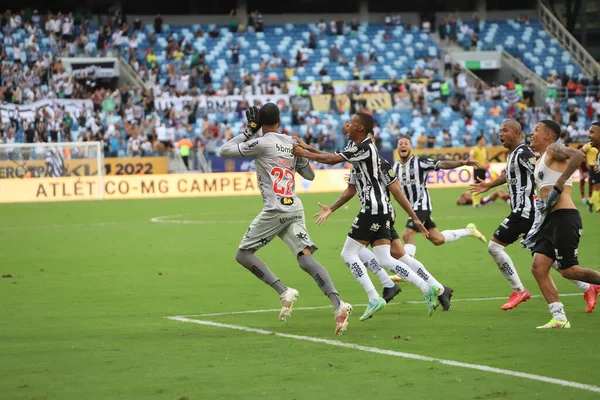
<point x="282" y="214"/>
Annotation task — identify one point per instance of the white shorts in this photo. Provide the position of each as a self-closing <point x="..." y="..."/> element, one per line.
<point x="290" y="227"/>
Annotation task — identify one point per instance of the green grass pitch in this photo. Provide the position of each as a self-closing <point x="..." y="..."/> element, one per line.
<point x="86" y="288"/>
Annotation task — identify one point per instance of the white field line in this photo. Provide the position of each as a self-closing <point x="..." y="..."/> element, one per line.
<point x="452" y="363"/>
<point x="357" y="305"/>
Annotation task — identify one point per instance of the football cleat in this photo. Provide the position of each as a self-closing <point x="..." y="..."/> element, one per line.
<point x="431" y="297"/>
<point x="515" y="299"/>
<point x="475" y="233"/>
<point x="396" y="278"/>
<point x="341" y="317"/>
<point x="287" y="299"/>
<point x="590" y="297"/>
<point x="390" y="293"/>
<point x="372" y="308"/>
<point x="445" y="298"/>
<point x="554" y="323"/>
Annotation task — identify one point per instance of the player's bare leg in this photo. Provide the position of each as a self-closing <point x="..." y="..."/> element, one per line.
<point x="325" y="283"/>
<point x="590" y="291"/>
<point x="541" y="272"/>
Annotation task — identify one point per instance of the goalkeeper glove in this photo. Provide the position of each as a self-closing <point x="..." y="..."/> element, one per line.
<point x="551" y="200"/>
<point x="253" y="118"/>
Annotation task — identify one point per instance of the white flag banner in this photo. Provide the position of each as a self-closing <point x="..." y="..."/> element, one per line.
<point x="26" y="112"/>
<point x="221" y="104"/>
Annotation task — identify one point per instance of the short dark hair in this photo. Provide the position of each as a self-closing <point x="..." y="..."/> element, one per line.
<point x="597" y="123"/>
<point x="407" y="137"/>
<point x="269" y="114"/>
<point x="367" y="121"/>
<point x="553" y="126"/>
<point x="479" y="138"/>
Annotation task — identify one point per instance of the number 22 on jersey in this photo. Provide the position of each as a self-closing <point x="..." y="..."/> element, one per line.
<point x="283" y="181"/>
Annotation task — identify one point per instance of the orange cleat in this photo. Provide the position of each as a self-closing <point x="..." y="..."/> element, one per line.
<point x="590" y="297"/>
<point x="515" y="299"/>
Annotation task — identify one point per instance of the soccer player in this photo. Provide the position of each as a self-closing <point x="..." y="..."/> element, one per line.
<point x="479" y="154"/>
<point x="519" y="178"/>
<point x="466" y="199"/>
<point x="412" y="173"/>
<point x="591" y="152"/>
<point x="373" y="223"/>
<point x="283" y="213"/>
<point x="560" y="232"/>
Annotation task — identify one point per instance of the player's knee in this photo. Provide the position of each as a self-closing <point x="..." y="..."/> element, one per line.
<point x="537" y="268"/>
<point x="437" y="240"/>
<point x="242" y="255"/>
<point x="407" y="237"/>
<point x="495" y="249"/>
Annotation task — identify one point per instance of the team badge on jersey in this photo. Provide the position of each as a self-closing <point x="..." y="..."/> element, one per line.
<point x="287" y="201"/>
<point x="353" y="149"/>
<point x="391" y="173"/>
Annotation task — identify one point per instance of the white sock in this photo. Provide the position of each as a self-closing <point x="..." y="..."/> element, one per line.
<point x="558" y="311"/>
<point x="410" y="249"/>
<point x="485" y="199"/>
<point x="420" y="270"/>
<point x="401" y="269"/>
<point x="350" y="256"/>
<point x="506" y="265"/>
<point x="452" y="235"/>
<point x="368" y="258"/>
<point x="583" y="286"/>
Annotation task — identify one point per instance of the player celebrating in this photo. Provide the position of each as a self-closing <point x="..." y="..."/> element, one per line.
<point x="282" y="214"/>
<point x="372" y="225"/>
<point x="412" y="173"/>
<point x="519" y="178"/>
<point x="466" y="199"/>
<point x="592" y="154"/>
<point x="558" y="237"/>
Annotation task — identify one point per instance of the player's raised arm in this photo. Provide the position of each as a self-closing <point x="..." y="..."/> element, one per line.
<point x="239" y="146"/>
<point x="450" y="164"/>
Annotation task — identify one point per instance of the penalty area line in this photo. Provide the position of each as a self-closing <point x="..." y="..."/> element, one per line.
<point x="376" y="350"/>
<point x="356" y="305"/>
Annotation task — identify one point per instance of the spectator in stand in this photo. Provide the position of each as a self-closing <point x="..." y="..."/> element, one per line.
<point x="158" y="24"/>
<point x="495" y="110"/>
<point x="354" y="27"/>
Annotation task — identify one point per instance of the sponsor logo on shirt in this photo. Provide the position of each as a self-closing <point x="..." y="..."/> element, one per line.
<point x="283" y="149"/>
<point x="287" y="201"/>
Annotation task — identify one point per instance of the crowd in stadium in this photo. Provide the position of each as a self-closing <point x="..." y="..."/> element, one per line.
<point x="128" y="122"/>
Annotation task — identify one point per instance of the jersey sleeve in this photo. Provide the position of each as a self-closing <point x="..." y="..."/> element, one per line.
<point x="427" y="164"/>
<point x="253" y="147"/>
<point x="388" y="174"/>
<point x="359" y="152"/>
<point x="527" y="160"/>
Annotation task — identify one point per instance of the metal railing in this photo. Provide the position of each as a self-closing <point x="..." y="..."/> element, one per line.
<point x="563" y="93"/>
<point x="566" y="40"/>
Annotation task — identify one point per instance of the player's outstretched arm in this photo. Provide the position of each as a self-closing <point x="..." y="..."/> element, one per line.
<point x="322" y="157"/>
<point x="326" y="211"/>
<point x="560" y="152"/>
<point x="405" y="204"/>
<point x="307" y="147"/>
<point x="450" y="164"/>
<point x="483" y="186"/>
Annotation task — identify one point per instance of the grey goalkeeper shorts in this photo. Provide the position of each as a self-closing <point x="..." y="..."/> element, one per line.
<point x="290" y="227"/>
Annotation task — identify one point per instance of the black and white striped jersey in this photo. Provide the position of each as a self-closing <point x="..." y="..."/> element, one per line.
<point x="412" y="176"/>
<point x="366" y="176"/>
<point x="520" y="179"/>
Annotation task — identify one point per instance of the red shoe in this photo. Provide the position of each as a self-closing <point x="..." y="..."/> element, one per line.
<point x="590" y="297"/>
<point x="515" y="299"/>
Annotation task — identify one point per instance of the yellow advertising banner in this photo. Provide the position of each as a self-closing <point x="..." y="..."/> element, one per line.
<point x="375" y="101"/>
<point x="495" y="153"/>
<point x="86" y="167"/>
<point x="196" y="185"/>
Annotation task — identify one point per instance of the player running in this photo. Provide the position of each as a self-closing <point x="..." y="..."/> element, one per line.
<point x="283" y="213"/>
<point x="466" y="199"/>
<point x="373" y="223"/>
<point x="412" y="173"/>
<point x="557" y="239"/>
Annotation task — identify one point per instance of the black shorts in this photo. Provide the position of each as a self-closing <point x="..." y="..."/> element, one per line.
<point x="371" y="227"/>
<point x="594" y="176"/>
<point x="479" y="173"/>
<point x="512" y="228"/>
<point x="425" y="217"/>
<point x="560" y="240"/>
